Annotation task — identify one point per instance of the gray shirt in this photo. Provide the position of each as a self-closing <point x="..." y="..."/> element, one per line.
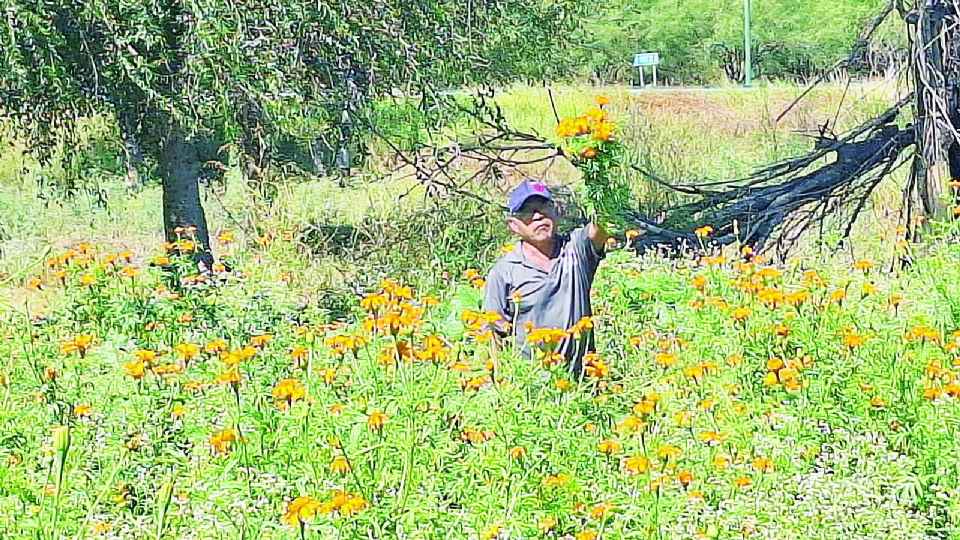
<point x="555" y="299"/>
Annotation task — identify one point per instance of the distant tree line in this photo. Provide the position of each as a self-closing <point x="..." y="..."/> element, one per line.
<point x="701" y="41"/>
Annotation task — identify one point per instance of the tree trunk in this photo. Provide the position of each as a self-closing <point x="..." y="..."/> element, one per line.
<point x="180" y="169"/>
<point x="932" y="72"/>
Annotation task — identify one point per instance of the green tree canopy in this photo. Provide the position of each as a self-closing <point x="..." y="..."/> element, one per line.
<point x="171" y="73"/>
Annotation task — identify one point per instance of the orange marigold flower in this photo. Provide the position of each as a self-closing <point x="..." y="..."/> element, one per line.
<point x="712" y="438"/>
<point x="187" y="350"/>
<point x="376" y="420"/>
<point x="300" y="510"/>
<point x="230" y="377"/>
<point x="667" y="451"/>
<point x="608" y="446"/>
<point x="602" y="131"/>
<point x="339" y="465"/>
<point x="635" y="465"/>
<point x="742" y="482"/>
<point x="222" y="440"/>
<point x="82" y="411"/>
<point x="260" y="341"/>
<point x="215" y="346"/>
<point x="665" y="359"/>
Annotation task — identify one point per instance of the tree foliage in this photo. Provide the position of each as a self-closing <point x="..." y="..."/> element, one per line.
<point x="702" y="40"/>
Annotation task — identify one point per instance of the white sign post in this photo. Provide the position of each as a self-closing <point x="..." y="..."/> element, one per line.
<point x="646" y="59"/>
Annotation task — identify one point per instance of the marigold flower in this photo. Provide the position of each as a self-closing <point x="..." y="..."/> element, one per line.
<point x="376" y="420"/>
<point x="339" y="465"/>
<point x="667" y="451"/>
<point x="586" y="534"/>
<point x="608" y="446"/>
<point x="602" y="131"/>
<point x="742" y="482"/>
<point x="215" y="346"/>
<point x="289" y="390"/>
<point x="260" y="341"/>
<point x="740" y="314"/>
<point x="230" y="377"/>
<point x="853" y="340"/>
<point x="300" y="510"/>
<point x="634" y="465"/>
<point x="82" y="411"/>
<point x="704" y="231"/>
<point x="546" y="524"/>
<point x="187" y="350"/>
<point x="599" y="511"/>
<point x="712" y="438"/>
<point x="555" y="480"/>
<point x="222" y="440"/>
<point x="518" y="452"/>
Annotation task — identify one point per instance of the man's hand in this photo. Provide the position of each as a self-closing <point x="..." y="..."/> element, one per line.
<point x="597" y="235"/>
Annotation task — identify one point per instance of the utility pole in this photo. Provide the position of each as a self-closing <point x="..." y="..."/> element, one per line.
<point x="747" y="61"/>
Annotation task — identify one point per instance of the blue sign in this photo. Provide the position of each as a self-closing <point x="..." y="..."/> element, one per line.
<point x="646" y="59"/>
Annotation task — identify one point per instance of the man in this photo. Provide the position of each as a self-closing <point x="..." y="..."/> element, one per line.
<point x="545" y="280"/>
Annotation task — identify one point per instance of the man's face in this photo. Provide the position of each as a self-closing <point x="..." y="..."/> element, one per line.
<point x="536" y="221"/>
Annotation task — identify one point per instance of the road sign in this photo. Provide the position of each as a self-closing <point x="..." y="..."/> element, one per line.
<point x="646" y="59"/>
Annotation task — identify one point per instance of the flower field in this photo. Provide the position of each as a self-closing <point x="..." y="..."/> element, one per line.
<point x="729" y="399"/>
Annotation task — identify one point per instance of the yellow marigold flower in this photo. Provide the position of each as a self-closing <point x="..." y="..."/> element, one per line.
<point x="339" y="465"/>
<point x="601" y="100"/>
<point x="712" y="438"/>
<point x="187" y="350"/>
<point x="260" y="341"/>
<point x="740" y="314"/>
<point x="667" y="451"/>
<point x="215" y="346"/>
<point x="852" y="340"/>
<point x="518" y="452"/>
<point x="555" y="480"/>
<point x="222" y="440"/>
<point x="376" y="420"/>
<point x="546" y="524"/>
<point x="762" y="464"/>
<point x="742" y="482"/>
<point x="600" y="511"/>
<point x="144" y="355"/>
<point x="665" y="359"/>
<point x="289" y="389"/>
<point x="586" y="534"/>
<point x="602" y="131"/>
<point x="608" y="446"/>
<point x="229" y="377"/>
<point x="82" y="411"/>
<point x="704" y="231"/>
<point x="300" y="510"/>
<point x="635" y="465"/>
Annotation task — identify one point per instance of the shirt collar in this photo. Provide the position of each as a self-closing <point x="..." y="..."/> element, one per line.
<point x="515" y="255"/>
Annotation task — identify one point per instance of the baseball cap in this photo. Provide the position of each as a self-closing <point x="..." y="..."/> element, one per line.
<point x="527" y="189"/>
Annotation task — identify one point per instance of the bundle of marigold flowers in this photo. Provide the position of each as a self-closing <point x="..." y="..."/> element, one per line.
<point x="588" y="140"/>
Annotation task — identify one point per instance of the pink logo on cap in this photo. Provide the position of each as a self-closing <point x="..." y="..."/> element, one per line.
<point x="538" y="187"/>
